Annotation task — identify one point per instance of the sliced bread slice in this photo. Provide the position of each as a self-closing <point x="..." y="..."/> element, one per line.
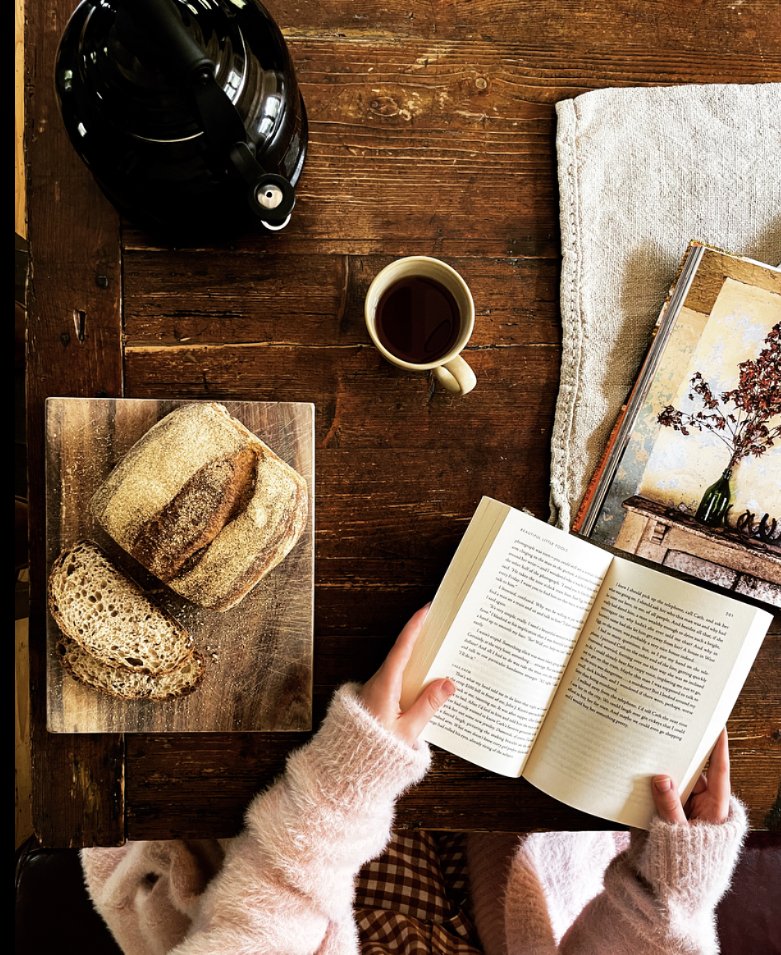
<point x="127" y="684"/>
<point x="107" y="614"/>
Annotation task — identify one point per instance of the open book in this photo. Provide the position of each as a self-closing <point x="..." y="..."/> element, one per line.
<point x="581" y="671"/>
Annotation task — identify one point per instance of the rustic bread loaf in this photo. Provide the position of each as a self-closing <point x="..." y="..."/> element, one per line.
<point x="174" y="490"/>
<point x="129" y="684"/>
<point x="109" y="616"/>
<point x="204" y="504"/>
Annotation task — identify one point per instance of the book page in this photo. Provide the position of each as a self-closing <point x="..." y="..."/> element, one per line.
<point x="648" y="689"/>
<point x="510" y="637"/>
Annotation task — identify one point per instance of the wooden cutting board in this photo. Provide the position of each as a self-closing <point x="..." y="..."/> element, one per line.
<point x="258" y="655"/>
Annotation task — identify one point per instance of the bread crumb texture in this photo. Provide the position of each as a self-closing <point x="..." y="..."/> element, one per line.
<point x="109" y="616"/>
<point x="129" y="684"/>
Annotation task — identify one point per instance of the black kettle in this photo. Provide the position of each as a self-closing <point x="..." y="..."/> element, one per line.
<point x="188" y="114"/>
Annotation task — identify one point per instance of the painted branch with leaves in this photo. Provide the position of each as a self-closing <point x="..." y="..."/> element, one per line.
<point x="749" y="429"/>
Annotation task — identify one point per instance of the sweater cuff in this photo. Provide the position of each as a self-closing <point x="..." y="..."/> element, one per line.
<point x="694" y="857"/>
<point x="353" y="761"/>
<point x="364" y="758"/>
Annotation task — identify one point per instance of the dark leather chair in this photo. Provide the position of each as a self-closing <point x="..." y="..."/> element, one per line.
<point x="54" y="914"/>
<point x="749" y="914"/>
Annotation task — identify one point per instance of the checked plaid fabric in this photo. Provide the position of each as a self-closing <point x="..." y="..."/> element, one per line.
<point x="413" y="899"/>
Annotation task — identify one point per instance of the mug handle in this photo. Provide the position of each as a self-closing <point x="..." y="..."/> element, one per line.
<point x="456" y="376"/>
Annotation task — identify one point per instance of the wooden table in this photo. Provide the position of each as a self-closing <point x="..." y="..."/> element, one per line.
<point x="432" y="131"/>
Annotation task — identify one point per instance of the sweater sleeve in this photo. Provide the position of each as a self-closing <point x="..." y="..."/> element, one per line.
<point x="660" y="895"/>
<point x="287" y="881"/>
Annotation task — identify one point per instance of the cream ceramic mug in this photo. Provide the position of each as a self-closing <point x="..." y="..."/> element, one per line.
<point x="420" y="315"/>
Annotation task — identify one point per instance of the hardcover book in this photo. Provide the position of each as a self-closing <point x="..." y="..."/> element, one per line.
<point x="580" y="670"/>
<point x="691" y="476"/>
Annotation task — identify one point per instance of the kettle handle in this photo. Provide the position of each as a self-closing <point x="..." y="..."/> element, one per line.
<point x="163" y="21"/>
<point x="270" y="196"/>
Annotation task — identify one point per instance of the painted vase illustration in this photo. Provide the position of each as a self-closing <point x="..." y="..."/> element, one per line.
<point x="715" y="501"/>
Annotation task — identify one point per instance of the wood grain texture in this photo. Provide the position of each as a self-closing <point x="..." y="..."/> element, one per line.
<point x="74" y="347"/>
<point x="241" y="297"/>
<point x="432" y="131"/>
<point x="258" y="673"/>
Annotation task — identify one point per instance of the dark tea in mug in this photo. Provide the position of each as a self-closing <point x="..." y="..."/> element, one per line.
<point x="418" y="319"/>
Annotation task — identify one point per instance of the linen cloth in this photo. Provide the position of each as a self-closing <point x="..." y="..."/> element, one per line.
<point x="642" y="171"/>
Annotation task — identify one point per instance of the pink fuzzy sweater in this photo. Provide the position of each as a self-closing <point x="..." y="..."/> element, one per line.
<point x="285" y="885"/>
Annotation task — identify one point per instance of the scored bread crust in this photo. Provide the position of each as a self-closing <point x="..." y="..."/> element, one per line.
<point x="204" y="504"/>
<point x="193" y="518"/>
<point x="129" y="684"/>
<point x="173" y="491"/>
<point x="252" y="544"/>
<point x="107" y="614"/>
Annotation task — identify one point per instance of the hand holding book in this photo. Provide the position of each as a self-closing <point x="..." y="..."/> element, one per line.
<point x="581" y="671"/>
<point x="381" y="692"/>
<point x="710" y="795"/>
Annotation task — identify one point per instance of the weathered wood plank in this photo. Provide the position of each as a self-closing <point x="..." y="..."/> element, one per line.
<point x="593" y="27"/>
<point x="73" y="348"/>
<point x="220" y="297"/>
<point x="360" y="398"/>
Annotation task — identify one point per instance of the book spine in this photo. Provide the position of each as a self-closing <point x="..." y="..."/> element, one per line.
<point x="583" y="517"/>
<point x="597" y="487"/>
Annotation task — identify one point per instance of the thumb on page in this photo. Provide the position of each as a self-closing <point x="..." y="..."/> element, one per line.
<point x="666" y="799"/>
<point x="429" y="700"/>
